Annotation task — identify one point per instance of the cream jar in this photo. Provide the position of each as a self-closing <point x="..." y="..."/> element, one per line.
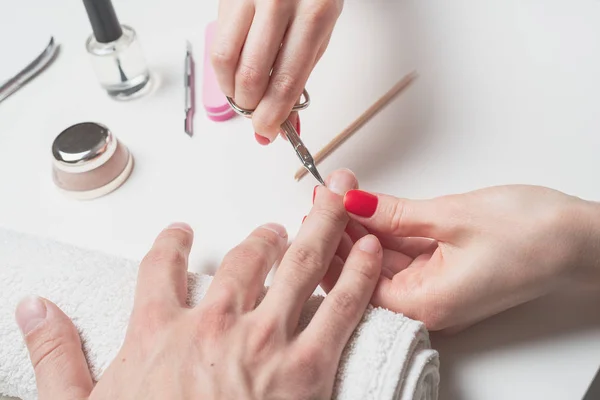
<point x="89" y="161"/>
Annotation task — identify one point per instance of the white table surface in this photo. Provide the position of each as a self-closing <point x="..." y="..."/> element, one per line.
<point x="508" y="93"/>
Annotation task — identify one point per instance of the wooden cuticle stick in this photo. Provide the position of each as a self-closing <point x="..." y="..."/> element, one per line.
<point x="359" y="122"/>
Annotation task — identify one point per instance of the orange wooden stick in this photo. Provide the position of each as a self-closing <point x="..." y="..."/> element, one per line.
<point x="359" y="122"/>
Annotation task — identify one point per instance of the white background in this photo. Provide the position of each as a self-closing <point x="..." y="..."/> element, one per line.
<point x="509" y="92"/>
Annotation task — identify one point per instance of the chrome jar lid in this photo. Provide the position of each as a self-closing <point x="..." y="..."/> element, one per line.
<point x="83" y="147"/>
<point x="89" y="161"/>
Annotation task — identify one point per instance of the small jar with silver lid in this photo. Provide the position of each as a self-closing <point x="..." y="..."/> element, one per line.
<point x="89" y="161"/>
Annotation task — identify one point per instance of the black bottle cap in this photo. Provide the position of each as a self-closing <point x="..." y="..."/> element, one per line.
<point x="103" y="18"/>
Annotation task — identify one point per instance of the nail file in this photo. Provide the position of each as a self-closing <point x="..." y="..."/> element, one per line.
<point x="215" y="103"/>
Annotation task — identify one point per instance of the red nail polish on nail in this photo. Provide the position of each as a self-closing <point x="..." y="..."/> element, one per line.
<point x="298" y="125"/>
<point x="304" y="219"/>
<point x="360" y="203"/>
<point x="261" y="139"/>
<point x="315" y="193"/>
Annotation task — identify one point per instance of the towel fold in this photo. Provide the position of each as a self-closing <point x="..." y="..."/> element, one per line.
<point x="388" y="357"/>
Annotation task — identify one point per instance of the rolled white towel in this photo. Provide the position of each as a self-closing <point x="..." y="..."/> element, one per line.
<point x="389" y="356"/>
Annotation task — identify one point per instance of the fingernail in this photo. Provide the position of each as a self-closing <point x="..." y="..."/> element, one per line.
<point x="315" y="193"/>
<point x="31" y="312"/>
<point x="369" y="244"/>
<point x="298" y="125"/>
<point x="341" y="181"/>
<point x="181" y="226"/>
<point x="360" y="203"/>
<point x="263" y="141"/>
<point x="278" y="229"/>
<point x="304" y="219"/>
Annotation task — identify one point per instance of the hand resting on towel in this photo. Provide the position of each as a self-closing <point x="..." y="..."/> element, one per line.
<point x="226" y="347"/>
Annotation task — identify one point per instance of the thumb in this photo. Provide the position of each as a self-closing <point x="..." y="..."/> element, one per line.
<point x="61" y="371"/>
<point x="399" y="217"/>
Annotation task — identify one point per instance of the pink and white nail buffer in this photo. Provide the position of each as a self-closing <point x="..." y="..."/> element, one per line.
<point x="215" y="103"/>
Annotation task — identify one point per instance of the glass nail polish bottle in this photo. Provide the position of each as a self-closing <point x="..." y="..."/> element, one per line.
<point x="116" y="53"/>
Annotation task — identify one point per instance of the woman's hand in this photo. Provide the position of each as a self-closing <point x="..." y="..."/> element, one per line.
<point x="226" y="347"/>
<point x="455" y="260"/>
<point x="264" y="52"/>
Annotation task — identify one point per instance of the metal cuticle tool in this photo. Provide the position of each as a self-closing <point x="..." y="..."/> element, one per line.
<point x="190" y="90"/>
<point x="30" y="71"/>
<point x="292" y="135"/>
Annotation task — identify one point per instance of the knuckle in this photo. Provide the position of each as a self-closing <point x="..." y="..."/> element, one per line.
<point x="304" y="259"/>
<point x="287" y="86"/>
<point x="264" y="334"/>
<point x="278" y="4"/>
<point x="164" y="256"/>
<point x="50" y="345"/>
<point x="214" y="319"/>
<point x="222" y="58"/>
<point x="397" y="217"/>
<point x="367" y="270"/>
<point x="323" y="12"/>
<point x="307" y="362"/>
<point x="344" y="304"/>
<point x="330" y="215"/>
<point x="248" y="77"/>
<point x="243" y="254"/>
<point x="224" y="299"/>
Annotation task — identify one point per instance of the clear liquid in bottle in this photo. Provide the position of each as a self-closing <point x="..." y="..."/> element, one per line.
<point x="120" y="65"/>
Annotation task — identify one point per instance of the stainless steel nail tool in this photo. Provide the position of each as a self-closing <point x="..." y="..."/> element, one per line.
<point x="30" y="71"/>
<point x="190" y="92"/>
<point x="291" y="134"/>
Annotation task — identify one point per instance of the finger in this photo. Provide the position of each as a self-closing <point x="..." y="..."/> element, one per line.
<point x="414" y="291"/>
<point x="233" y="24"/>
<point x="294" y="117"/>
<point x="333" y="274"/>
<point x="241" y="276"/>
<point x="258" y="55"/>
<point x="356" y="231"/>
<point x="305" y="263"/>
<point x="387" y="273"/>
<point x="421" y="261"/>
<point x="345" y="246"/>
<point x="344" y="306"/>
<point x="394" y="261"/>
<point x="335" y="268"/>
<point x="385" y="214"/>
<point x="411" y="246"/>
<point x="162" y="277"/>
<point x="292" y="68"/>
<point x="54" y="346"/>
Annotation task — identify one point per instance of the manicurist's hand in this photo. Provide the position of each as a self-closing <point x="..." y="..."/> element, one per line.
<point x="264" y="52"/>
<point x="226" y="347"/>
<point x="455" y="260"/>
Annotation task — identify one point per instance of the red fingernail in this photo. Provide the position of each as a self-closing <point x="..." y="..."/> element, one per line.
<point x="261" y="139"/>
<point x="303" y="219"/>
<point x="315" y="193"/>
<point x="298" y="125"/>
<point x="360" y="203"/>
